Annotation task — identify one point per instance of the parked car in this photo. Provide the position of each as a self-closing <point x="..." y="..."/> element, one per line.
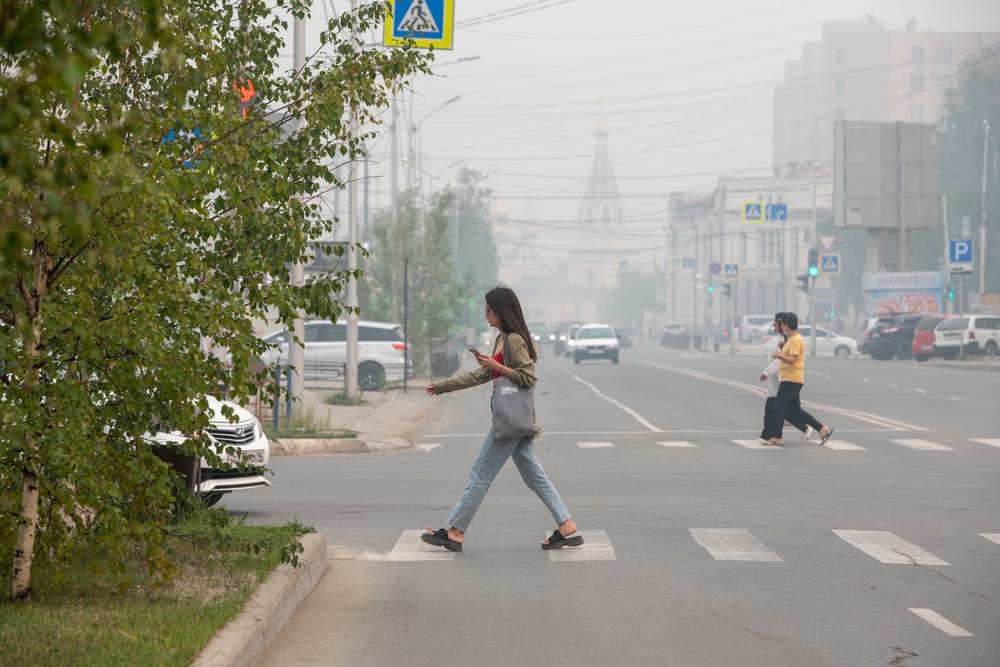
<point x="595" y="341"/>
<point x="668" y="330"/>
<point x="560" y="337"/>
<point x="893" y="337"/>
<point x="624" y="334"/>
<point x="922" y="346"/>
<point x="979" y="334"/>
<point x="827" y="342"/>
<point x="867" y="324"/>
<point x="571" y="339"/>
<point x="246" y="435"/>
<point x="380" y="352"/>
<point x="752" y="327"/>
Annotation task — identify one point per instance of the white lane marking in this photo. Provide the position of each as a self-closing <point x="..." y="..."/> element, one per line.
<point x="954" y="398"/>
<point x="843" y="445"/>
<point x="941" y="623"/>
<point x="893" y="385"/>
<point x="878" y="420"/>
<point x="992" y="442"/>
<point x="886" y="547"/>
<point x="409" y="547"/>
<point x="677" y="443"/>
<point x="865" y="380"/>
<point x="920" y="391"/>
<point x="732" y="544"/>
<point x="597" y="392"/>
<point x="596" y="546"/>
<point x="430" y="446"/>
<point x="924" y="445"/>
<point x="992" y="537"/>
<point x="754" y="444"/>
<point x="594" y="445"/>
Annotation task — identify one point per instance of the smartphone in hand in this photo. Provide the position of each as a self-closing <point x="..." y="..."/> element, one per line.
<point x="475" y="352"/>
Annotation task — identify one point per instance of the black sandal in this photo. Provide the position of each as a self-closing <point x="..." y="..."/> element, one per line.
<point x="557" y="541"/>
<point x="439" y="538"/>
<point x="824" y="438"/>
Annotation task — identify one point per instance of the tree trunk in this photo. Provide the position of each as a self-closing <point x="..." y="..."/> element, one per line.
<point x="25" y="549"/>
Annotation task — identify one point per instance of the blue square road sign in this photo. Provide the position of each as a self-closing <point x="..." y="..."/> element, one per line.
<point x="960" y="251"/>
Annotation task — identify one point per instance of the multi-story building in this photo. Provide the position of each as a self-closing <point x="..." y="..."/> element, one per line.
<point x="861" y="71"/>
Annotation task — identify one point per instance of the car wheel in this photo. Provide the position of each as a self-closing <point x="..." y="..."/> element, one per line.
<point x="950" y="356"/>
<point x="211" y="499"/>
<point x="991" y="348"/>
<point x="614" y="359"/>
<point x="921" y="357"/>
<point x="371" y="376"/>
<point x="904" y="350"/>
<point x="879" y="356"/>
<point x="842" y="351"/>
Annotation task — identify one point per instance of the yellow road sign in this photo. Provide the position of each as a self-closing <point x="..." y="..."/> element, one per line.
<point x="429" y="23"/>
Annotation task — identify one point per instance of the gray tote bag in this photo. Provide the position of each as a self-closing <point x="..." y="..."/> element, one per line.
<point x="513" y="410"/>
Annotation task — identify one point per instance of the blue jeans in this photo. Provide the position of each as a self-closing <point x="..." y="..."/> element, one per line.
<point x="491" y="459"/>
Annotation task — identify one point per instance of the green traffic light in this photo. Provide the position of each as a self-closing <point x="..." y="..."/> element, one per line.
<point x="813" y="271"/>
<point x="711" y="289"/>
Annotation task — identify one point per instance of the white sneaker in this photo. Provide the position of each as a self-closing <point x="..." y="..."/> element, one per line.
<point x="809" y="433"/>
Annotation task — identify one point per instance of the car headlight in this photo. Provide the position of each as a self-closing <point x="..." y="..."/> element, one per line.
<point x="552" y="336"/>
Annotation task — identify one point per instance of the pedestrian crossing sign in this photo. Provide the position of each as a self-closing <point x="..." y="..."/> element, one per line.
<point x="662" y="296"/>
<point x="731" y="272"/>
<point x="829" y="264"/>
<point x="428" y="23"/>
<point x="675" y="263"/>
<point x="753" y="211"/>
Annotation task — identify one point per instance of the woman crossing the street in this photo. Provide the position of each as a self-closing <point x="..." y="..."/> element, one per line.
<point x="513" y="358"/>
<point x="792" y="372"/>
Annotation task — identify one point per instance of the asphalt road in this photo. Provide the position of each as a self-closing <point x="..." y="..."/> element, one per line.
<point x="705" y="554"/>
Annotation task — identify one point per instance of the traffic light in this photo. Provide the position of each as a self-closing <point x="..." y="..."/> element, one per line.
<point x="804" y="283"/>
<point x="727" y="289"/>
<point x="711" y="288"/>
<point x="951" y="291"/>
<point x="813" y="263"/>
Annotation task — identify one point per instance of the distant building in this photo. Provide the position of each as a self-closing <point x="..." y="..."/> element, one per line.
<point x="861" y="71"/>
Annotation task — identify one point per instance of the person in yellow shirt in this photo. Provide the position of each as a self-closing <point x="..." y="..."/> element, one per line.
<point x="792" y="374"/>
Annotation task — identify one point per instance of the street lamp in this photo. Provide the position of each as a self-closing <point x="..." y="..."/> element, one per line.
<point x="418" y="131"/>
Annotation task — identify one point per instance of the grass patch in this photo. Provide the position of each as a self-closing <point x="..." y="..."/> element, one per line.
<point x="284" y="433"/>
<point x="93" y="619"/>
<point x="340" y="398"/>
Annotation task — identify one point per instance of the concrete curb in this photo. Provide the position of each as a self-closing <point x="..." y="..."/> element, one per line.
<point x="363" y="444"/>
<point x="243" y="641"/>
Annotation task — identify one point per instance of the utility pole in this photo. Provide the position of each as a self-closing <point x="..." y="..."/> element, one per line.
<point x="900" y="211"/>
<point x="982" y="219"/>
<point x="394" y="198"/>
<point x="812" y="280"/>
<point x="351" y="369"/>
<point x="297" y="353"/>
<point x="946" y="260"/>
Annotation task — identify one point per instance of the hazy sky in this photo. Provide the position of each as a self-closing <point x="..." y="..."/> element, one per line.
<point x="684" y="87"/>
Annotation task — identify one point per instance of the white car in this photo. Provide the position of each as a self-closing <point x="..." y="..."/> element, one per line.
<point x="752" y="327"/>
<point x="246" y="435"/>
<point x="571" y="339"/>
<point x="979" y="334"/>
<point x="380" y="352"/>
<point x="595" y="341"/>
<point x="827" y="343"/>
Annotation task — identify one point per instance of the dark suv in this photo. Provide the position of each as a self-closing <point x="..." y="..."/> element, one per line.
<point x="893" y="337"/>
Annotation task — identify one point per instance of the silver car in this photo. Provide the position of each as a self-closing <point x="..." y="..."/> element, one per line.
<point x="380" y="352"/>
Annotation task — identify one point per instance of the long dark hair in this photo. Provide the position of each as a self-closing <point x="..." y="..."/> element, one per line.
<point x="504" y="303"/>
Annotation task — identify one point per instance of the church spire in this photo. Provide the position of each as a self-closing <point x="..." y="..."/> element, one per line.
<point x="601" y="202"/>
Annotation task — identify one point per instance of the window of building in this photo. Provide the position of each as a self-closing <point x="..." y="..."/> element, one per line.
<point x="841" y="56"/>
<point x="917" y="55"/>
<point x="838" y="113"/>
<point x="916" y="114"/>
<point x="605" y="213"/>
<point x="841" y="85"/>
<point x="916" y="84"/>
<point x="944" y="54"/>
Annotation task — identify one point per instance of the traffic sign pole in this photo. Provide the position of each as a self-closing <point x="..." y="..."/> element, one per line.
<point x="812" y="316"/>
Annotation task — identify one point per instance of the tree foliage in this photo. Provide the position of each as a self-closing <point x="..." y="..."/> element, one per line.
<point x="143" y="215"/>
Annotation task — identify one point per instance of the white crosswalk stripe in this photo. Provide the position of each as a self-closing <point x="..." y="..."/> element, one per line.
<point x="596" y="546"/>
<point x="677" y="443"/>
<point x="754" y="444"/>
<point x="843" y="445"/>
<point x="733" y="544"/>
<point x="992" y="442"/>
<point x="409" y="547"/>
<point x="992" y="537"/>
<point x="941" y="623"/>
<point x="886" y="547"/>
<point x="428" y="447"/>
<point x="593" y="445"/>
<point x="924" y="445"/>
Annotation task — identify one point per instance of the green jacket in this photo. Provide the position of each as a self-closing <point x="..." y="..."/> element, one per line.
<point x="515" y="356"/>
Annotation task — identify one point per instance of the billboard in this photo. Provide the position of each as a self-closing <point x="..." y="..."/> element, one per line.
<point x="903" y="292"/>
<point x="873" y="163"/>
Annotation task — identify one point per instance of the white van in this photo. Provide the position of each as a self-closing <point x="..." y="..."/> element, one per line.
<point x="380" y="352"/>
<point x="980" y="334"/>
<point x="752" y="327"/>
